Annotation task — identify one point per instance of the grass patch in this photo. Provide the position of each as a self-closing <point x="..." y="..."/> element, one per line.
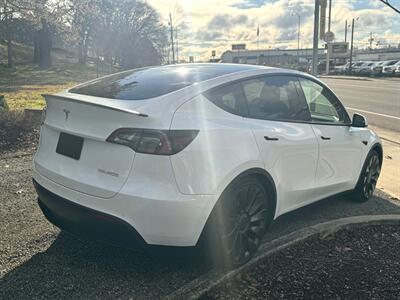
<point x="30" y="96"/>
<point x="23" y="85"/>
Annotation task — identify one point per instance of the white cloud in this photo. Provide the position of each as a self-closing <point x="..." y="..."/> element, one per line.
<point x="215" y="25"/>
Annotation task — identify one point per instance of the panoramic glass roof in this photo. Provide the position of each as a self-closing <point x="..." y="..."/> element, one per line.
<point x="155" y="81"/>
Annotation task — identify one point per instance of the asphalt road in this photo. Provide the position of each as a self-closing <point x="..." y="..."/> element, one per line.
<point x="376" y="98"/>
<point x="37" y="261"/>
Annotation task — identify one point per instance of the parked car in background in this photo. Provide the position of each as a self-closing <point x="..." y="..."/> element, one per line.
<point x="365" y="68"/>
<point x="377" y="69"/>
<point x="197" y="154"/>
<point x="355" y="68"/>
<point x="342" y="69"/>
<point x="321" y="67"/>
<point x="390" y="68"/>
<point x="397" y="71"/>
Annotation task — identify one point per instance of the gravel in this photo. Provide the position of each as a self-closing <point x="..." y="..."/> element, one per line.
<point x="361" y="263"/>
<point x="39" y="262"/>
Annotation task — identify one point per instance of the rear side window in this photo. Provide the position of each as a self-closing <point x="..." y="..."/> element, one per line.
<point x="154" y="81"/>
<point x="275" y="98"/>
<point x="228" y="98"/>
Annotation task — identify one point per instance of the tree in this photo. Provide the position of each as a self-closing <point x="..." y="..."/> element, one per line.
<point x="82" y="17"/>
<point x="129" y="33"/>
<point x="44" y="44"/>
<point x="8" y="10"/>
<point x="33" y="12"/>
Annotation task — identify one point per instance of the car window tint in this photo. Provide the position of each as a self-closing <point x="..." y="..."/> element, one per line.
<point x="228" y="97"/>
<point x="323" y="105"/>
<point x="154" y="81"/>
<point x="274" y="98"/>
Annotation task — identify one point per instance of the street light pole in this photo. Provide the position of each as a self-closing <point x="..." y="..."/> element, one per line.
<point x="315" y="38"/>
<point x="351" y="44"/>
<point x="298" y="35"/>
<point x="345" y="31"/>
<point x="172" y="38"/>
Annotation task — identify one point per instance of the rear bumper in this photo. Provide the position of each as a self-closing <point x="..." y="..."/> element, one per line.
<point x="86" y="222"/>
<point x="125" y="220"/>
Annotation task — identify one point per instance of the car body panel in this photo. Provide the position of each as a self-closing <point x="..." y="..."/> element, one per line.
<point x="168" y="199"/>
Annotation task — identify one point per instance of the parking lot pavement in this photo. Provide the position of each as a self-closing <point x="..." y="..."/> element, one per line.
<point x="37" y="261"/>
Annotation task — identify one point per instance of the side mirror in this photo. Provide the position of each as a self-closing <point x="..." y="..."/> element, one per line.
<point x="359" y="121"/>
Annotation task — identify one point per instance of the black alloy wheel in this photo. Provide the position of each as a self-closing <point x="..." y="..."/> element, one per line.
<point x="371" y="175"/>
<point x="238" y="223"/>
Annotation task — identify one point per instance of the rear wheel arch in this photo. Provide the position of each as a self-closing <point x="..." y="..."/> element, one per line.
<point x="266" y="180"/>
<point x="263" y="177"/>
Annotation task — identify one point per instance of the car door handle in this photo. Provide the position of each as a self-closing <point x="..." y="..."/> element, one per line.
<point x="325" y="138"/>
<point x="267" y="138"/>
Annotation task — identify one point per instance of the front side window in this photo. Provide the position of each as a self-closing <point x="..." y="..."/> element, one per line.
<point x="275" y="98"/>
<point x="323" y="105"/>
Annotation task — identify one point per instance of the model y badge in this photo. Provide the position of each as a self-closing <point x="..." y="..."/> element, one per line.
<point x="66" y="111"/>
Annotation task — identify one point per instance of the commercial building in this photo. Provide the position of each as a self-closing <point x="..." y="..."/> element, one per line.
<point x="272" y="57"/>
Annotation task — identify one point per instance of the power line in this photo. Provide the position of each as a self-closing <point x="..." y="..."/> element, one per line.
<point x="386" y="2"/>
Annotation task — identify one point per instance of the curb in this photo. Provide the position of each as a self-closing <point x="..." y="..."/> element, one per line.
<point x="210" y="280"/>
<point x="344" y="78"/>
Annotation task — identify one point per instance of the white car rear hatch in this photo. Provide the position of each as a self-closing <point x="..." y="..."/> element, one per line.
<point x="74" y="151"/>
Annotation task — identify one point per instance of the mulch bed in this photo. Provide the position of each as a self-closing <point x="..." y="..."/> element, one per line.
<point x="361" y="263"/>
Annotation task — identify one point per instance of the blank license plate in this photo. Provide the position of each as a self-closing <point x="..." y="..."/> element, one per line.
<point x="69" y="145"/>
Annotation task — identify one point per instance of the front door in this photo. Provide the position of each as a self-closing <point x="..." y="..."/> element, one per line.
<point x="340" y="147"/>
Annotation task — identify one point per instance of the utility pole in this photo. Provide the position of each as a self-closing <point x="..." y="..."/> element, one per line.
<point x="371" y="39"/>
<point x="177" y="45"/>
<point x="329" y="15"/>
<point x="345" y="31"/>
<point x="298" y="36"/>
<point x="172" y="38"/>
<point x="329" y="30"/>
<point x="351" y="44"/>
<point x="315" y="38"/>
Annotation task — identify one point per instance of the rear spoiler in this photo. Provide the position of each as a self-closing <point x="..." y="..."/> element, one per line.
<point x="129" y="111"/>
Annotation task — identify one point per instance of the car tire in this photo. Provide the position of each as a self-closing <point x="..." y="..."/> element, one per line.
<point x="238" y="222"/>
<point x="368" y="178"/>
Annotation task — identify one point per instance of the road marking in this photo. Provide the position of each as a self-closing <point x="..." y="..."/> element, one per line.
<point x="373" y="113"/>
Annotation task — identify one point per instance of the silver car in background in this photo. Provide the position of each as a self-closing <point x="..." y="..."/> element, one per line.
<point x="390" y="69"/>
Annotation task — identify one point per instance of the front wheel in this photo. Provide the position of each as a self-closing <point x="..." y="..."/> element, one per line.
<point x="369" y="177"/>
<point x="238" y="223"/>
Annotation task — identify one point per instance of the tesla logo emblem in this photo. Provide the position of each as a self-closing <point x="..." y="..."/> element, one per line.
<point x="66" y="111"/>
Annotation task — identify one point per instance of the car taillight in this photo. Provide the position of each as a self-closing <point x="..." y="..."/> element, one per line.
<point x="151" y="141"/>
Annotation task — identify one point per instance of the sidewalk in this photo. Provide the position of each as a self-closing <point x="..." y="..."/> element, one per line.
<point x="362" y="78"/>
<point x="389" y="180"/>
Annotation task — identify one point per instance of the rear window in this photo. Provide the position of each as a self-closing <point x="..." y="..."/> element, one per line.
<point x="155" y="81"/>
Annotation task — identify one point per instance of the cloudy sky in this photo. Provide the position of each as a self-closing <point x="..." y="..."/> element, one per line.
<point x="214" y="25"/>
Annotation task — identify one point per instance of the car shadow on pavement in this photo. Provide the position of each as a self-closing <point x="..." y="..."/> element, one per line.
<point x="71" y="268"/>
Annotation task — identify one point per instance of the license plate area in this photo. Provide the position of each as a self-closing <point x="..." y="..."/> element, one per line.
<point x="69" y="145"/>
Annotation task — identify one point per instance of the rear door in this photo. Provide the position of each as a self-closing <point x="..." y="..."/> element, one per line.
<point x="280" y="120"/>
<point x="340" y="145"/>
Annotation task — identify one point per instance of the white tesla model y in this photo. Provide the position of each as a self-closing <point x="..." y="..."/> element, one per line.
<point x="175" y="155"/>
